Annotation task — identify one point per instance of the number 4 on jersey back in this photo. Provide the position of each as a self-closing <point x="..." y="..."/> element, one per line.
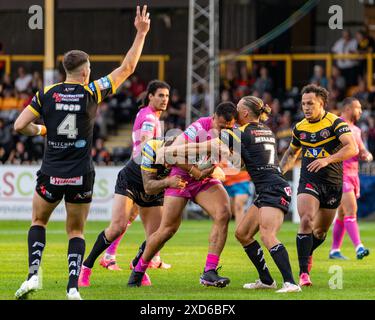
<point x="68" y="127"/>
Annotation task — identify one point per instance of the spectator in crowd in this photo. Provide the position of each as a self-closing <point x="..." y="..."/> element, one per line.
<point x="6" y="139"/>
<point x="365" y="44"/>
<point x="337" y="82"/>
<point x="19" y="155"/>
<point x="284" y="133"/>
<point x="3" y="156"/>
<point x="263" y="82"/>
<point x="6" y="85"/>
<point x="349" y="67"/>
<point x="361" y="92"/>
<point x="99" y="153"/>
<point x="23" y="81"/>
<point x="2" y="62"/>
<point x="137" y="86"/>
<point x="36" y="82"/>
<point x="176" y="111"/>
<point x="319" y="77"/>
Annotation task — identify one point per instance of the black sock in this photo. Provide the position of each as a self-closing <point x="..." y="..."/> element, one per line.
<point x="316" y="243"/>
<point x="100" y="245"/>
<point x="36" y="241"/>
<point x="281" y="258"/>
<point x="304" y="246"/>
<point x="139" y="254"/>
<point x="256" y="255"/>
<point x="76" y="251"/>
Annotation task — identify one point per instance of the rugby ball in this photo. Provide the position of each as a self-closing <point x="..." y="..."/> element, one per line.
<point x="204" y="163"/>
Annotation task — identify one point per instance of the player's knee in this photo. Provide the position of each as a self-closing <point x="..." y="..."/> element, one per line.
<point x="222" y="215"/>
<point x="306" y="221"/>
<point x="241" y="235"/>
<point x="267" y="236"/>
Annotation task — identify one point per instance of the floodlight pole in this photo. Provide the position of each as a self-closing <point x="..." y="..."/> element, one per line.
<point x="49" y="41"/>
<point x="202" y="69"/>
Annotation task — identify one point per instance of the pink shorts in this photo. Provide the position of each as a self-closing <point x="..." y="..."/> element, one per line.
<point x="193" y="186"/>
<point x="351" y="183"/>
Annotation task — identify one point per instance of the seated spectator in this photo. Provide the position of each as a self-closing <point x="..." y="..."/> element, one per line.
<point x="6" y="85"/>
<point x="23" y="81"/>
<point x="137" y="86"/>
<point x="36" y="82"/>
<point x="349" y="68"/>
<point x="263" y="82"/>
<point x="19" y="155"/>
<point x="99" y="153"/>
<point x="319" y="77"/>
<point x="176" y="111"/>
<point x="284" y="133"/>
<point x="337" y="82"/>
<point x="361" y="92"/>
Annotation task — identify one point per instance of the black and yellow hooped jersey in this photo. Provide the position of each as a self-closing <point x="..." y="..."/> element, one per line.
<point x="320" y="140"/>
<point x="69" y="111"/>
<point x="257" y="145"/>
<point x="148" y="164"/>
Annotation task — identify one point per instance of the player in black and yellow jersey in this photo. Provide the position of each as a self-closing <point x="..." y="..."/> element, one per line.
<point x="324" y="141"/>
<point x="68" y="110"/>
<point x="257" y="145"/>
<point x="143" y="184"/>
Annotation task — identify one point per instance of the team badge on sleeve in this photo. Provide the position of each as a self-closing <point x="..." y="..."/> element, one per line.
<point x="104" y="83"/>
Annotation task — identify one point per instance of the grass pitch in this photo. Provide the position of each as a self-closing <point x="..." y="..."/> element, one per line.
<point x="187" y="253"/>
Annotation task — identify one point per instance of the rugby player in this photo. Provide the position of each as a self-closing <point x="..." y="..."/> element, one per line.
<point x="208" y="193"/>
<point x="347" y="213"/>
<point x="129" y="185"/>
<point x="68" y="110"/>
<point x="257" y="146"/>
<point x="325" y="141"/>
<point x="146" y="126"/>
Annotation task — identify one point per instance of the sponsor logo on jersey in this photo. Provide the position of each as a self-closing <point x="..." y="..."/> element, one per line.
<point x="148" y="126"/>
<point x="313" y="137"/>
<point x="76" y="181"/>
<point x="57" y="97"/>
<point x="146" y="162"/>
<point x="332" y="201"/>
<point x="261" y="133"/>
<point x="344" y="129"/>
<point x="191" y="132"/>
<point x="302" y="135"/>
<point x="80" y="144"/>
<point x="68" y="107"/>
<point x="104" y="83"/>
<point x="316" y="153"/>
<point x="325" y="133"/>
<point x="92" y="87"/>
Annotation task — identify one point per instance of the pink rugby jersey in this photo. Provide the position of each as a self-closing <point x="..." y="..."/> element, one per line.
<point x="146" y="125"/>
<point x="351" y="166"/>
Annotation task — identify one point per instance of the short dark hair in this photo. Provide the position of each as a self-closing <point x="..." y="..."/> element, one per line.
<point x="319" y="92"/>
<point x="227" y="110"/>
<point x="348" y="101"/>
<point x="74" y="59"/>
<point x="152" y="87"/>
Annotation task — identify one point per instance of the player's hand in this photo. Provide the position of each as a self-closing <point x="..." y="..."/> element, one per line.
<point x="142" y="20"/>
<point x="316" y="165"/>
<point x="366" y="156"/>
<point x="176" y="182"/>
<point x="218" y="174"/>
<point x="207" y="172"/>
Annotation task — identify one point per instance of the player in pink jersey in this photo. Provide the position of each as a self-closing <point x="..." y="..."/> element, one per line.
<point x="209" y="193"/>
<point x="146" y="126"/>
<point x="347" y="212"/>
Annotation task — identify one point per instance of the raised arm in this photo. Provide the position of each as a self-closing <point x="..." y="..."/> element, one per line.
<point x="142" y="24"/>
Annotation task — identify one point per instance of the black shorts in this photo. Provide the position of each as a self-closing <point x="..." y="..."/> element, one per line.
<point x="276" y="196"/>
<point x="124" y="186"/>
<point x="329" y="196"/>
<point x="74" y="190"/>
